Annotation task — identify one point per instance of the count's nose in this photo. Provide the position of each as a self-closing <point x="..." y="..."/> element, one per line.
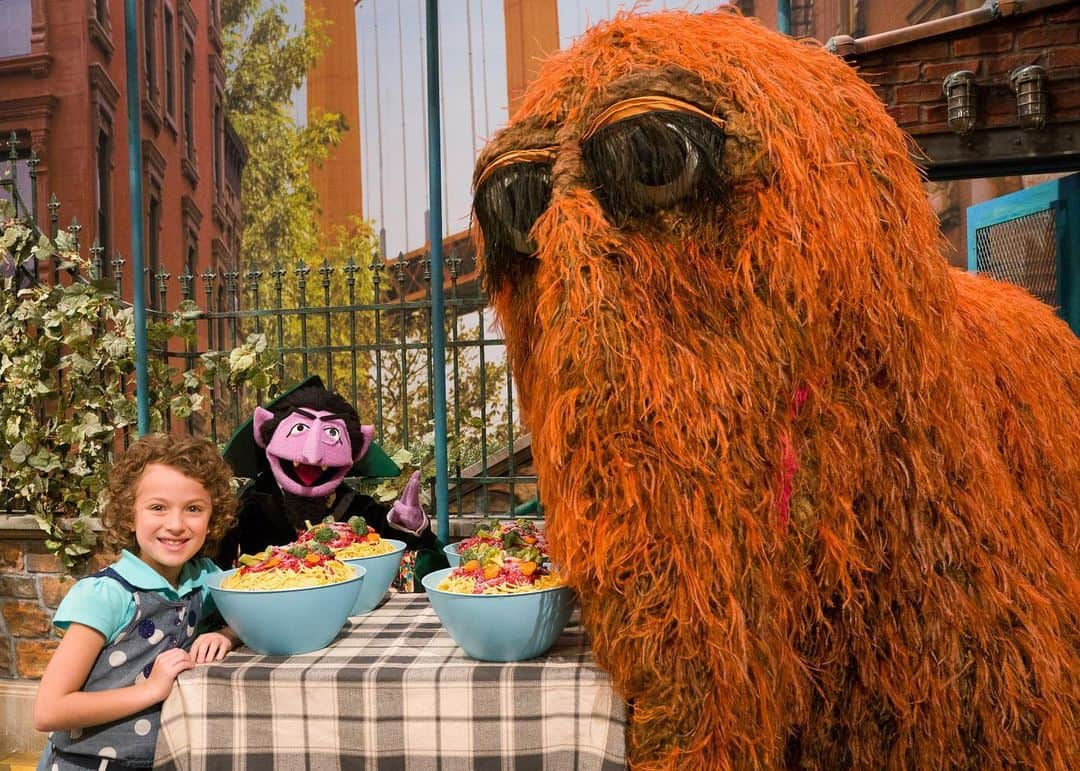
<point x="313" y="448"/>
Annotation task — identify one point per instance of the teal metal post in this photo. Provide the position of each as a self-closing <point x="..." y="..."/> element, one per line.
<point x="138" y="298"/>
<point x="783" y="16"/>
<point x="438" y="308"/>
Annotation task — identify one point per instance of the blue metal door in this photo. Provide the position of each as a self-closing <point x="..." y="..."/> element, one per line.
<point x="1032" y="238"/>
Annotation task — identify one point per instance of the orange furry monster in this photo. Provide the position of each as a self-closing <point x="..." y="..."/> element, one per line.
<point x="818" y="491"/>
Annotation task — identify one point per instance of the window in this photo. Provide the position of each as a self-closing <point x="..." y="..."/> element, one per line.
<point x="221" y="317"/>
<point x="153" y="253"/>
<point x="170" y="64"/>
<point x="219" y="137"/>
<point x="189" y="263"/>
<point x="149" y="50"/>
<point x="15" y="176"/>
<point x="802" y="18"/>
<point x="189" y="104"/>
<point x="15" y="30"/>
<point x="103" y="191"/>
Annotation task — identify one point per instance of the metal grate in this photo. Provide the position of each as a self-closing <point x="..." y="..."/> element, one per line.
<point x="803" y="21"/>
<point x="1022" y="251"/>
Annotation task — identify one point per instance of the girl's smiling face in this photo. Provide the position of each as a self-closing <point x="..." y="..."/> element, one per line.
<point x="172" y="514"/>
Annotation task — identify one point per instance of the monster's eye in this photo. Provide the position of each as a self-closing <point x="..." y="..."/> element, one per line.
<point x="509" y="200"/>
<point x="654" y="159"/>
<point x="511" y="193"/>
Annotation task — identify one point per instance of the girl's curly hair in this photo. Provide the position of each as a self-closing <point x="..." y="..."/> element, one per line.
<point x="193" y="457"/>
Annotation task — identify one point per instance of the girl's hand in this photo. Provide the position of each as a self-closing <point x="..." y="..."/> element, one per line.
<point x="166" y="668"/>
<point x="211" y="646"/>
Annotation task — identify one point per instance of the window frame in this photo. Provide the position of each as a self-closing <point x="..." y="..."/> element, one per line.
<point x="168" y="21"/>
<point x="103" y="193"/>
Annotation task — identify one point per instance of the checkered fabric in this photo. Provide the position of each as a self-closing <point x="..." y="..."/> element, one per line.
<point x="394" y="691"/>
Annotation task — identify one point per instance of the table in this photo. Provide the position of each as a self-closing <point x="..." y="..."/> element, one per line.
<point x="394" y="691"/>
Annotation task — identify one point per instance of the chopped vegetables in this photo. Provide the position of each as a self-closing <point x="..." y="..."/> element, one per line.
<point x="294" y="558"/>
<point x="507" y="556"/>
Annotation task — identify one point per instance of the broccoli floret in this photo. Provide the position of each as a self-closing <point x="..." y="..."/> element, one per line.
<point x="324" y="534"/>
<point x="358" y="525"/>
<point x="529" y="554"/>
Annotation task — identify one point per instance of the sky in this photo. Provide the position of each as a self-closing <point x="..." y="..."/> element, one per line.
<point x="473" y="101"/>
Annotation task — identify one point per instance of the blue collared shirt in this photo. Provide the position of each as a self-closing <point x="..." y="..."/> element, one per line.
<point x="105" y="605"/>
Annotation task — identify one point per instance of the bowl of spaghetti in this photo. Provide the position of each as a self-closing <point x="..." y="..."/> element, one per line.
<point x="381" y="571"/>
<point x="358" y="545"/>
<point x="501" y="614"/>
<point x="521" y="539"/>
<point x="287" y="600"/>
<point x="451" y="552"/>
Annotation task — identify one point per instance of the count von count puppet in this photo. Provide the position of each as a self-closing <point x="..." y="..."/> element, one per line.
<point x="298" y="452"/>
<point x="819" y="492"/>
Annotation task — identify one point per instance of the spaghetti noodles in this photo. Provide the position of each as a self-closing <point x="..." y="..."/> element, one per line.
<point x="291" y="567"/>
<point x="354" y="539"/>
<point x="360" y="550"/>
<point x="473" y="584"/>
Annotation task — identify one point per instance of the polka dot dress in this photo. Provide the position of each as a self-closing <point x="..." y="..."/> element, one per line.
<point x="158" y="625"/>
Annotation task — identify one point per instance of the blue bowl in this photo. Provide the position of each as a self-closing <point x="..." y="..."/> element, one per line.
<point x="381" y="569"/>
<point x="284" y="622"/>
<point x="451" y="552"/>
<point x="501" y="627"/>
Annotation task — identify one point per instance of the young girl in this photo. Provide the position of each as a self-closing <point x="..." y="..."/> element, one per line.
<point x="131" y="628"/>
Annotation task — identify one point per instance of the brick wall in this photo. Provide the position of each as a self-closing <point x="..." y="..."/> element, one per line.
<point x="32" y="583"/>
<point x="908" y="77"/>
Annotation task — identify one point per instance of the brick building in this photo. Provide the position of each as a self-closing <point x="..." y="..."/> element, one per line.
<point x="63" y="92"/>
<point x="999" y="45"/>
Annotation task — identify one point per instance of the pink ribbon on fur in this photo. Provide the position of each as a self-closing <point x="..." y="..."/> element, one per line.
<point x="789" y="463"/>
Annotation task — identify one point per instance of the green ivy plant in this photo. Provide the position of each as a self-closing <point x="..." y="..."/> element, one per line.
<point x="67" y="363"/>
<point x="420" y="456"/>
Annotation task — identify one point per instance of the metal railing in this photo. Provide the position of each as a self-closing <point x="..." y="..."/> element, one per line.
<point x="365" y="330"/>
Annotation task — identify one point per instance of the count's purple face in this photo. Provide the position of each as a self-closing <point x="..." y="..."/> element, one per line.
<point x="310" y="452"/>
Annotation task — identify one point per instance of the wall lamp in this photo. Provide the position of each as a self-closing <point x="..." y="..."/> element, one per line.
<point x="959" y="90"/>
<point x="1029" y="85"/>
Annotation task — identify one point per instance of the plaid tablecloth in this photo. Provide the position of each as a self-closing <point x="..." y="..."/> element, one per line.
<point x="395" y="692"/>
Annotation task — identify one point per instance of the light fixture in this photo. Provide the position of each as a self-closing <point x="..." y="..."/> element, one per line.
<point x="1029" y="85"/>
<point x="959" y="90"/>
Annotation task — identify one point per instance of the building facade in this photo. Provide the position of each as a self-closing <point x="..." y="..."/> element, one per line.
<point x="63" y="92"/>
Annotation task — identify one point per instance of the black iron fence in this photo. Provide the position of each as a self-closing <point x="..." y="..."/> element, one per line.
<point x="363" y="326"/>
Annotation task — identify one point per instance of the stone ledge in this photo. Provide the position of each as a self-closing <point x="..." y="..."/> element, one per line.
<point x="17" y="732"/>
<point x="24" y="527"/>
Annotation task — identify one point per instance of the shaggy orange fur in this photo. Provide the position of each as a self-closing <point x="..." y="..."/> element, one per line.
<point x="818" y="491"/>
